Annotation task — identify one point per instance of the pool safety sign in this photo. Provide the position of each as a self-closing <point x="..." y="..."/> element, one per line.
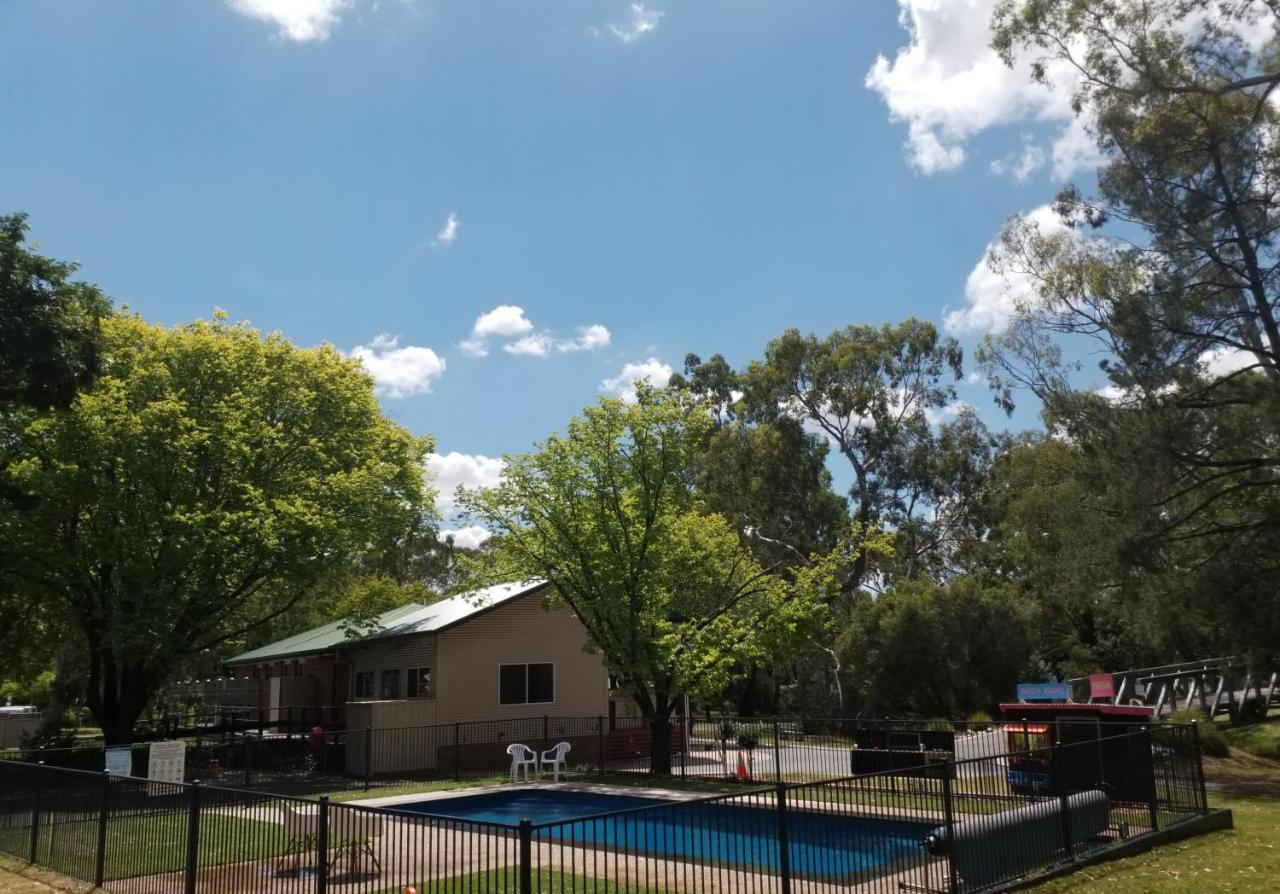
<point x="166" y="762"/>
<point x="1044" y="692"/>
<point x="119" y="760"/>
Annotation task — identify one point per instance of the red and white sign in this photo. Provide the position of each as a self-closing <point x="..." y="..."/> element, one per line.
<point x="1101" y="686"/>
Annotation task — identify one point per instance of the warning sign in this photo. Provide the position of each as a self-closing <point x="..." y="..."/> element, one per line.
<point x="167" y="762"/>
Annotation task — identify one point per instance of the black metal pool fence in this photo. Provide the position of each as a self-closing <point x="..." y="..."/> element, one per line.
<point x="294" y="760"/>
<point x="950" y="826"/>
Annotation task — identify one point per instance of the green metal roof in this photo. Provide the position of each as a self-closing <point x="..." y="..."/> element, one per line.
<point x="319" y="639"/>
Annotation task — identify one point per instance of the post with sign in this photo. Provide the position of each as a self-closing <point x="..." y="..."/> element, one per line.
<point x="166" y="762"/>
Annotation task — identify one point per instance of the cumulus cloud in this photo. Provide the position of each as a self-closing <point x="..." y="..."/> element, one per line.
<point x="300" y="20"/>
<point x="509" y="321"/>
<point x="446" y="471"/>
<point x="1022" y="164"/>
<point x="397" y="371"/>
<point x="947" y="85"/>
<point x="623" y="385"/>
<point x="640" y="20"/>
<point x="542" y="344"/>
<point x="470" y="537"/>
<point x="993" y="296"/>
<point x="448" y="231"/>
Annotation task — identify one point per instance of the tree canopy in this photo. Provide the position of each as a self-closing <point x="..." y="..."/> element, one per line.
<point x="205" y="484"/>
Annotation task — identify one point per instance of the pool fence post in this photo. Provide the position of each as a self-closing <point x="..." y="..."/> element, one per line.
<point x="322" y="847"/>
<point x="600" y="743"/>
<point x="457" y="751"/>
<point x="1060" y="783"/>
<point x="545" y="722"/>
<point x="949" y="821"/>
<point x="1153" y="812"/>
<point x="248" y="761"/>
<point x="526" y="857"/>
<point x="1195" y="741"/>
<point x="368" y="756"/>
<point x="193" y="839"/>
<point x="35" y="814"/>
<point x="784" y="839"/>
<point x="100" y="863"/>
<point x="777" y="750"/>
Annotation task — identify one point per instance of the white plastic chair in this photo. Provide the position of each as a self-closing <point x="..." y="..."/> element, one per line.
<point x="555" y="758"/>
<point x="522" y="756"/>
<point x="355" y="831"/>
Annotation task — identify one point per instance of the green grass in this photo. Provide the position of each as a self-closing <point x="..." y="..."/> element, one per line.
<point x="1259" y="739"/>
<point x="1245" y="860"/>
<point x="146" y="845"/>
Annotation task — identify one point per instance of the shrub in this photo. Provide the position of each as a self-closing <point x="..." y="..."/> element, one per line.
<point x="1213" y="741"/>
<point x="980" y="720"/>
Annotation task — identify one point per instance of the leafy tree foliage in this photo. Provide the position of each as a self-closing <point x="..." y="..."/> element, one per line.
<point x="1186" y="315"/>
<point x="869" y="391"/>
<point x="609" y="514"/>
<point x="50" y="343"/>
<point x="207" y="483"/>
<point x="926" y="649"/>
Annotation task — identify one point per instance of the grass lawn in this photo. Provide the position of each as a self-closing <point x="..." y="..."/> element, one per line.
<point x="146" y="845"/>
<point x="1245" y="860"/>
<point x="1259" y="739"/>
<point x="507" y="881"/>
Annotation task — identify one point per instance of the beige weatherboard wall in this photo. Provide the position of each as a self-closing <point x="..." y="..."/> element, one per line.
<point x="521" y="631"/>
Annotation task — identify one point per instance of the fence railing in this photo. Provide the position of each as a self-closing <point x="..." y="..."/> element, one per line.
<point x="748" y="749"/>
<point x="941" y="826"/>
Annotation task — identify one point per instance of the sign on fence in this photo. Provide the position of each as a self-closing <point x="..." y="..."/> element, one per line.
<point x="1102" y="686"/>
<point x="1044" y="692"/>
<point x="166" y="762"/>
<point x="119" y="760"/>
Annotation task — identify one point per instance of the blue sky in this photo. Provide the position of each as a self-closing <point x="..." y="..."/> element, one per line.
<point x="690" y="176"/>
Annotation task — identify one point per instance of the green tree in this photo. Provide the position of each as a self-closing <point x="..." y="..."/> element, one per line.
<point x="869" y="391"/>
<point x="610" y="516"/>
<point x="1181" y="299"/>
<point x="50" y="340"/>
<point x="925" y="649"/>
<point x="208" y="482"/>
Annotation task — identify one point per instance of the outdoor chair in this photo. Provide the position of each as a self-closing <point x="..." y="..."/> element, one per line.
<point x="522" y="756"/>
<point x="555" y="758"/>
<point x="354" y="831"/>
<point x="301" y="829"/>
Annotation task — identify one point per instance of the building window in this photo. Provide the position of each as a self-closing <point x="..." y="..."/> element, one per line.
<point x="526" y="684"/>
<point x="390" y="684"/>
<point x="417" y="683"/>
<point x="364" y="684"/>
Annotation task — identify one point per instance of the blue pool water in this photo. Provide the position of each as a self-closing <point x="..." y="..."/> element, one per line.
<point x="820" y="845"/>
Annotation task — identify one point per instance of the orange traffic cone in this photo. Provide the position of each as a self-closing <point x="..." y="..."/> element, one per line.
<point x="742" y="768"/>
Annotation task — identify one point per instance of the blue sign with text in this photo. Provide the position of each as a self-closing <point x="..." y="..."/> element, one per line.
<point x="1044" y="692"/>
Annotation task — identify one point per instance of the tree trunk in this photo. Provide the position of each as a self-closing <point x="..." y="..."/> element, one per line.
<point x="660" y="743"/>
<point x="118" y="692"/>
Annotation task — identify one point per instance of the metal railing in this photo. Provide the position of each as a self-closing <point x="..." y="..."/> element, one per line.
<point x="944" y="826"/>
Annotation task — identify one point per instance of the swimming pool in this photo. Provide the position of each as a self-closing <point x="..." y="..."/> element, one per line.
<point x="820" y="845"/>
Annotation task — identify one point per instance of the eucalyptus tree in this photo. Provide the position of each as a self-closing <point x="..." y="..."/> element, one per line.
<point x="1170" y="269"/>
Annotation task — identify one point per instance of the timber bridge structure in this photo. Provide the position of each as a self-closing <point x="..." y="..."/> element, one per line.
<point x="1214" y="686"/>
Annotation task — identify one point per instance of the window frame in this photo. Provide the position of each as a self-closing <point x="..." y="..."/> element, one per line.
<point x="412" y="679"/>
<point x="526" y="665"/>
<point x="392" y="674"/>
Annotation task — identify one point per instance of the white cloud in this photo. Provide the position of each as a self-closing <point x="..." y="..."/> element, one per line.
<point x="397" y="371"/>
<point x="300" y="20"/>
<point x="947" y="413"/>
<point x="1221" y="362"/>
<point x="470" y="537"/>
<point x="448" y="231"/>
<point x="1021" y="165"/>
<point x="947" y="84"/>
<point x="994" y="295"/>
<point x="640" y="20"/>
<point x="508" y="320"/>
<point x="542" y="344"/>
<point x="449" y="470"/>
<point x="623" y="385"/>
<point x="503" y="320"/>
